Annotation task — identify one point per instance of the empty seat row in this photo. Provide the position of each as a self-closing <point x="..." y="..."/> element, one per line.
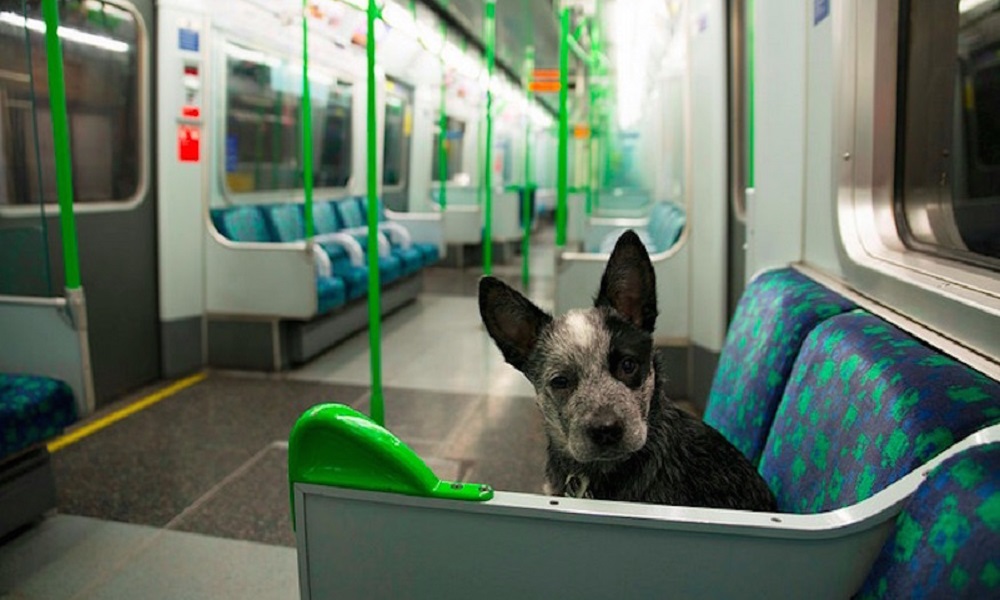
<point x="341" y="231"/>
<point x="666" y="223"/>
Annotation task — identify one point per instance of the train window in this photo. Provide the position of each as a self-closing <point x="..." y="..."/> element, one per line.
<point x="398" y="125"/>
<point x="101" y="58"/>
<point x="263" y="129"/>
<point x="948" y="141"/>
<point x="455" y="134"/>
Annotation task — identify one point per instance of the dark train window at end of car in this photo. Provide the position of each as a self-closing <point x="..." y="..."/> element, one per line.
<point x="398" y="125"/>
<point x="453" y="139"/>
<point x="263" y="139"/>
<point x="948" y="142"/>
<point x="101" y="63"/>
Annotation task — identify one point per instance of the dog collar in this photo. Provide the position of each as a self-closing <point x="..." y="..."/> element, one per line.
<point x="578" y="486"/>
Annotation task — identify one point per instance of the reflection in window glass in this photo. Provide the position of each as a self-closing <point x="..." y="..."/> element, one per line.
<point x="100" y="44"/>
<point x="398" y="125"/>
<point x="948" y="174"/>
<point x="453" y="147"/>
<point x="263" y="129"/>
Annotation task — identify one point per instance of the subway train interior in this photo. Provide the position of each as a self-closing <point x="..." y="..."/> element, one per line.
<point x="242" y="350"/>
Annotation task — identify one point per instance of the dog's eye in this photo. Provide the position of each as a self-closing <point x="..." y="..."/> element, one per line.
<point x="559" y="382"/>
<point x="629" y="366"/>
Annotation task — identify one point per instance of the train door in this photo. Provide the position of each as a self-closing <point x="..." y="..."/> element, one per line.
<point x="107" y="60"/>
<point x="740" y="145"/>
<point x="396" y="149"/>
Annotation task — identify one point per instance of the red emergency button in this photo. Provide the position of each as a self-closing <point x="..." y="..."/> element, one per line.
<point x="188" y="143"/>
<point x="191" y="112"/>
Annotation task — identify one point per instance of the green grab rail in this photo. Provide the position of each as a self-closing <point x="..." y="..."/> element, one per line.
<point x="563" y="156"/>
<point x="751" y="156"/>
<point x="307" y="154"/>
<point x="60" y="137"/>
<point x="526" y="215"/>
<point x="490" y="35"/>
<point x="374" y="283"/>
<point x="335" y="445"/>
<point x="443" y="127"/>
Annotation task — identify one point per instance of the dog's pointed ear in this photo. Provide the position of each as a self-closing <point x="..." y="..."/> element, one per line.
<point x="629" y="283"/>
<point x="512" y="320"/>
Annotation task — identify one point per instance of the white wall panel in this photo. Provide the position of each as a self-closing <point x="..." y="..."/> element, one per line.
<point x="708" y="184"/>
<point x="820" y="206"/>
<point x="775" y="213"/>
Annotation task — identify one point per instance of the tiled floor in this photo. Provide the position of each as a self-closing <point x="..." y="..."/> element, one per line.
<point x="189" y="498"/>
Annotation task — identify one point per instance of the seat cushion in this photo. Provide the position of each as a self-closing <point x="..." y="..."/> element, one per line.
<point x="32" y="409"/>
<point x="286" y="222"/>
<point x="350" y="212"/>
<point x="325" y="218"/>
<point x="332" y="293"/>
<point x="776" y="312"/>
<point x="242" y="224"/>
<point x="866" y="404"/>
<point x="355" y="279"/>
<point x="946" y="543"/>
<point x="430" y="252"/>
<point x="411" y="259"/>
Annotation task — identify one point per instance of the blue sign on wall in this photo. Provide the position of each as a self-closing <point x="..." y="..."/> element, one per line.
<point x="821" y="10"/>
<point x="231" y="157"/>
<point x="187" y="39"/>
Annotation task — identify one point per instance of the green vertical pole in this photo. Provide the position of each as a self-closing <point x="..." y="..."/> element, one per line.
<point x="307" y="152"/>
<point x="563" y="127"/>
<point x="374" y="289"/>
<point x="60" y="135"/>
<point x="491" y="7"/>
<point x="443" y="127"/>
<point x="526" y="214"/>
<point x="749" y="20"/>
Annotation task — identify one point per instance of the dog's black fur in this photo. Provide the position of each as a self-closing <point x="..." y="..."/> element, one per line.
<point x="613" y="433"/>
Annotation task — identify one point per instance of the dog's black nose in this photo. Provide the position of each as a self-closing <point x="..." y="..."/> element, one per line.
<point x="607" y="434"/>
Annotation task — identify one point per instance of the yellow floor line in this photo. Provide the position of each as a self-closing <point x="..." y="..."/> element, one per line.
<point x="75" y="436"/>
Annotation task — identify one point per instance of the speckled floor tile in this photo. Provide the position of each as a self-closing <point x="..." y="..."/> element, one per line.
<point x="152" y="465"/>
<point x="251" y="504"/>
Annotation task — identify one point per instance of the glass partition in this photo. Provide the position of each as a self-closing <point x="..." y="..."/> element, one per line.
<point x="25" y="141"/>
<point x="947" y="197"/>
<point x="263" y="134"/>
<point x="398" y="128"/>
<point x="101" y="58"/>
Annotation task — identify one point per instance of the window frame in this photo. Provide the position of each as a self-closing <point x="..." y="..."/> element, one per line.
<point x="295" y="194"/>
<point x="409" y="104"/>
<point x="145" y="119"/>
<point x="932" y="214"/>
<point x="958" y="299"/>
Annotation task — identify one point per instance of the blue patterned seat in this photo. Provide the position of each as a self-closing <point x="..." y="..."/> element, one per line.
<point x="355" y="277"/>
<point x="865" y="405"/>
<point x="666" y="223"/>
<point x="349" y="211"/>
<point x="242" y="224"/>
<point x="32" y="409"/>
<point x="946" y="543"/>
<point x="426" y="254"/>
<point x="777" y="310"/>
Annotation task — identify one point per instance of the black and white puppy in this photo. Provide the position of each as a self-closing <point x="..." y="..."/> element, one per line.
<point x="613" y="434"/>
